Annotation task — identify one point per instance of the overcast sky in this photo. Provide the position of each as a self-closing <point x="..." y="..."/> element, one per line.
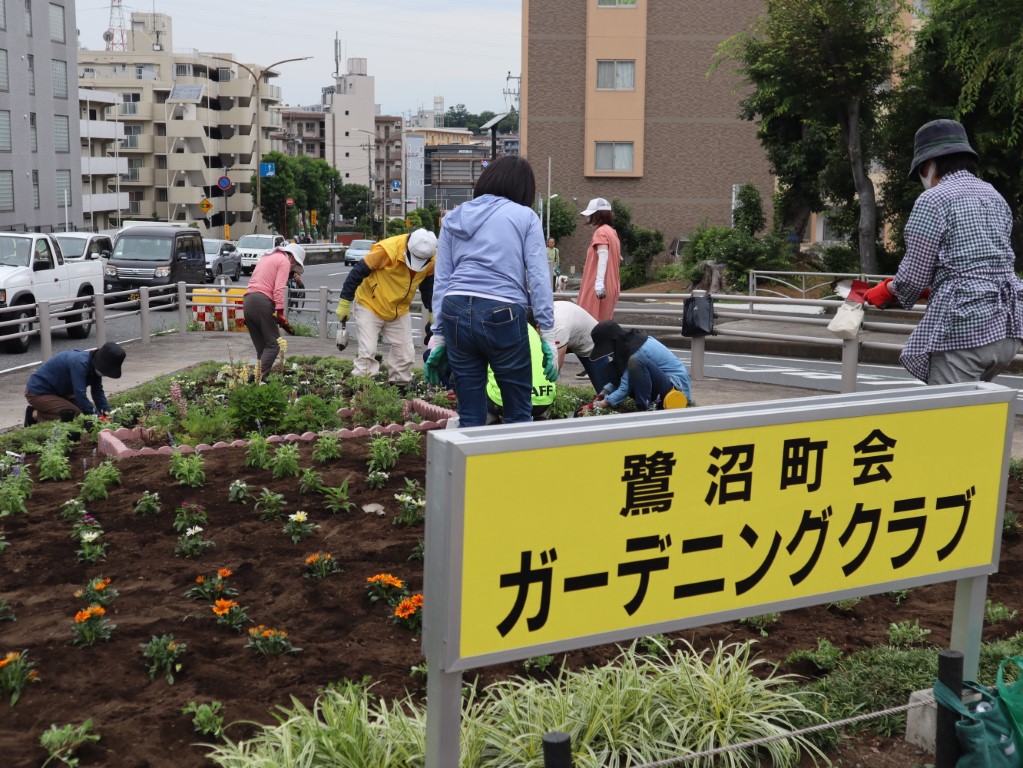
<point x="461" y="50"/>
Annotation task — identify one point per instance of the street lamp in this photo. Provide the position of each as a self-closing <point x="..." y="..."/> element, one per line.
<point x="369" y="181"/>
<point x="549" y="198"/>
<point x="255" y="87"/>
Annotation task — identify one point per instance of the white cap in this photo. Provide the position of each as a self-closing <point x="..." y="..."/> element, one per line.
<point x="596" y="204"/>
<point x="422" y="245"/>
<point x="295" y="250"/>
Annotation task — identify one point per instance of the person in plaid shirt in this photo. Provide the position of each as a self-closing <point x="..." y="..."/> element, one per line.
<point x="958" y="247"/>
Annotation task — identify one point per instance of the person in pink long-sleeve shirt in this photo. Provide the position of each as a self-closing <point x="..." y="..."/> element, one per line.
<point x="263" y="305"/>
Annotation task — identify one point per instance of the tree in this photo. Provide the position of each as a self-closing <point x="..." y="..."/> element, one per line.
<point x="748" y="216"/>
<point x="351" y="199"/>
<point x="639" y="245"/>
<point x="429" y="217"/>
<point x="932" y="85"/>
<point x="275" y="190"/>
<point x="457" y="116"/>
<point x="820" y="66"/>
<point x="564" y="218"/>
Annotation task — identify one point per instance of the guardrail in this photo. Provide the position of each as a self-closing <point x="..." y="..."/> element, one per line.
<point x="816" y="285"/>
<point x="666" y="309"/>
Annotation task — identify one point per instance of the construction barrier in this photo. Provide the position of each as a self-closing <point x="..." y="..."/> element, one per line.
<point x="218" y="309"/>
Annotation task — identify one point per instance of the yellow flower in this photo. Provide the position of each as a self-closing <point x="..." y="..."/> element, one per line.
<point x="11" y="656"/>
<point x="79" y="592"/>
<point x="282" y="343"/>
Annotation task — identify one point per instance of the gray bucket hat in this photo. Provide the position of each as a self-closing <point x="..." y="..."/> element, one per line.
<point x="938" y="138"/>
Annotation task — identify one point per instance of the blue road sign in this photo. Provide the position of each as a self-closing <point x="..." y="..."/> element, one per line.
<point x="224" y="183"/>
<point x="395" y="185"/>
<point x="267" y="169"/>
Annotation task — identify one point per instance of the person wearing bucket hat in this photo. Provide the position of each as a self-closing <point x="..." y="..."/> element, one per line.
<point x="378" y="292"/>
<point x="640" y="366"/>
<point x="958" y="247"/>
<point x="60" y="387"/>
<point x="600" y="287"/>
<point x="263" y="304"/>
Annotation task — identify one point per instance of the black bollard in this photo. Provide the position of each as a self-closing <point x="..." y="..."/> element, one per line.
<point x="557" y="750"/>
<point x="946" y="743"/>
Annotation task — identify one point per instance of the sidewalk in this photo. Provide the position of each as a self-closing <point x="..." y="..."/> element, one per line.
<point x="175" y="352"/>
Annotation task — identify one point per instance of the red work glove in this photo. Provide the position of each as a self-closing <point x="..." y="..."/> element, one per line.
<point x="282" y="321"/>
<point x="880" y="295"/>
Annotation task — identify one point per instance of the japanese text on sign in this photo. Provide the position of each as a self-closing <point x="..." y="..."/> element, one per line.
<point x="695" y="525"/>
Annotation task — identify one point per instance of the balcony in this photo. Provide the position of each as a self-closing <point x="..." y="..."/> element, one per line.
<point x="190" y="129"/>
<point x="104" y="201"/>
<point x="236" y="116"/>
<point x="185" y="195"/>
<point x="238" y="145"/>
<point x="104" y="166"/>
<point x="241" y="87"/>
<point x="100" y="130"/>
<point x="137" y="143"/>
<point x="135" y="110"/>
<point x="185" y="161"/>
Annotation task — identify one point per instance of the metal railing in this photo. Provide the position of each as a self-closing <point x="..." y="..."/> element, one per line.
<point x="815" y="285"/>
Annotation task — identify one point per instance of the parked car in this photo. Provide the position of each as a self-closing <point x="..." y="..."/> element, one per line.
<point x="251" y="247"/>
<point x="357" y="251"/>
<point x="77" y="245"/>
<point x="155" y="256"/>
<point x="33" y="269"/>
<point x="222" y="258"/>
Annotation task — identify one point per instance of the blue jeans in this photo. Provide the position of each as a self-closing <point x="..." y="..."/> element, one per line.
<point x="648" y="384"/>
<point x="479" y="332"/>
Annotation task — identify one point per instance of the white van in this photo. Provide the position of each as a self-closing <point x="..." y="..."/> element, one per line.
<point x="251" y="247"/>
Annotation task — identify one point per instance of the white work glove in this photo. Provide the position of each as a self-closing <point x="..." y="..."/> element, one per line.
<point x="599" y="290"/>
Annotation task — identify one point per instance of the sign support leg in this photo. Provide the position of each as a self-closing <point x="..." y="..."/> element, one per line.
<point x="443" y="716"/>
<point x="968" y="622"/>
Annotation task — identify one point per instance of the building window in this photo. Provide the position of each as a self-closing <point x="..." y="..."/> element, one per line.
<point x="614" y="156"/>
<point x="135" y="198"/>
<point x="616" y="3"/>
<point x="58" y="70"/>
<point x="616" y="75"/>
<point x="63" y="188"/>
<point x="3" y="14"/>
<point x="28" y="17"/>
<point x="5" y="130"/>
<point x="33" y="132"/>
<point x="6" y="190"/>
<point x="182" y="70"/>
<point x="224" y="74"/>
<point x="61" y="134"/>
<point x="310" y="149"/>
<point x="57" y="23"/>
<point x="31" y="62"/>
<point x="35" y="189"/>
<point x="5" y="80"/>
<point x="134" y="163"/>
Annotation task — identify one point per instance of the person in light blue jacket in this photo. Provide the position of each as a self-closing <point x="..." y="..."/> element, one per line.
<point x="492" y="267"/>
<point x="640" y="366"/>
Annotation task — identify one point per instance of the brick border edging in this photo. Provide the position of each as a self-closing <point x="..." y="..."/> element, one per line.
<point x="111" y="442"/>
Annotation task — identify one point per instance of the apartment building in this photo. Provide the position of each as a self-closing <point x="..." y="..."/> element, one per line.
<point x="303" y="132"/>
<point x="103" y="165"/>
<point x="616" y="94"/>
<point x="40" y="164"/>
<point x="189" y="118"/>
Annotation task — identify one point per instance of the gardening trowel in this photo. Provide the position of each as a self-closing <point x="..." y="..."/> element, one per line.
<point x="851" y="290"/>
<point x="342" y="337"/>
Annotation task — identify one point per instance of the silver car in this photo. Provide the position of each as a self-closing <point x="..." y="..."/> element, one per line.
<point x="222" y="258"/>
<point x="357" y="251"/>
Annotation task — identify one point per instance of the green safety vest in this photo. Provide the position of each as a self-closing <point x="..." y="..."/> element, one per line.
<point x="543" y="390"/>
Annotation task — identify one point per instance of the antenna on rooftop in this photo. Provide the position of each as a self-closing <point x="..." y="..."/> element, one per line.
<point x="511" y="90"/>
<point x="116" y="36"/>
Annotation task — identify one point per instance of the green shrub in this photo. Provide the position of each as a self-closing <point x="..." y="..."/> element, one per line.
<point x="205" y="425"/>
<point x="376" y="404"/>
<point x="258" y="407"/>
<point x="310" y="413"/>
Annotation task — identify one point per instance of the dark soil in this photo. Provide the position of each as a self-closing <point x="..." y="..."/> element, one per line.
<point x="341" y="633"/>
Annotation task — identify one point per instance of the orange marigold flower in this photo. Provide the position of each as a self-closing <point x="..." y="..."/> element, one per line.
<point x="268" y="633"/>
<point x="96" y="610"/>
<point x="417" y="600"/>
<point x="221" y="607"/>
<point x="82" y="616"/>
<point x="387" y="580"/>
<point x="407" y="608"/>
<point x="33" y="675"/>
<point x="99" y="586"/>
<point x="328" y="556"/>
<point x="312" y="559"/>
<point x="200" y="579"/>
<point x="224" y="572"/>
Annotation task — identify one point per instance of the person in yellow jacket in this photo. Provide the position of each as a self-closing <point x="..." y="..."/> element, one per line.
<point x="543" y="390"/>
<point x="377" y="294"/>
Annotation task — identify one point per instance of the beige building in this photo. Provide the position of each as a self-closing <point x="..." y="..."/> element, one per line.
<point x="188" y="119"/>
<point x="102" y="163"/>
<point x="616" y="94"/>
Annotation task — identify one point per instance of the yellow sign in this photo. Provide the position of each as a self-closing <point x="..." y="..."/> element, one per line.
<point x="227" y="231"/>
<point x="651" y="530"/>
<point x="205" y="205"/>
<point x="312" y="217"/>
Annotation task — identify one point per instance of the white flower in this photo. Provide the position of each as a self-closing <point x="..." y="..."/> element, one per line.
<point x="194" y="530"/>
<point x="89" y="536"/>
<point x="298" y="517"/>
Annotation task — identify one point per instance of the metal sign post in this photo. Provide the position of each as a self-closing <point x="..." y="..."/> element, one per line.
<point x="703" y="515"/>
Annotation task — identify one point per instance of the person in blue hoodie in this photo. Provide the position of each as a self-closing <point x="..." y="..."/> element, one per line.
<point x="491" y="268"/>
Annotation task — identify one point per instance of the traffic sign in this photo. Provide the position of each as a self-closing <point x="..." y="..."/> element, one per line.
<point x="224" y="183"/>
<point x="312" y="217"/>
<point x="205" y="205"/>
<point x="289" y="202"/>
<point x="267" y="169"/>
<point x="395" y="185"/>
<point x="484" y="163"/>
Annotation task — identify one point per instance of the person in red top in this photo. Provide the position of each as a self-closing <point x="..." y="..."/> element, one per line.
<point x="601" y="286"/>
<point x="263" y="305"/>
